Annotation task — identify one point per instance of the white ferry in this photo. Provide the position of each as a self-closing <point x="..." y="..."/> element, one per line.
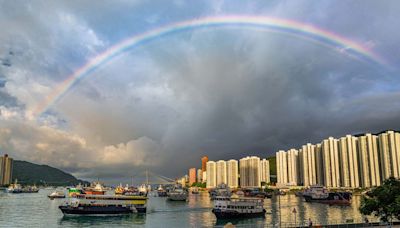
<point x="104" y="204"/>
<point x="238" y="207"/>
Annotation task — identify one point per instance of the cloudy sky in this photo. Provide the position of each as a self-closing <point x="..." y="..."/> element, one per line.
<point x="225" y="92"/>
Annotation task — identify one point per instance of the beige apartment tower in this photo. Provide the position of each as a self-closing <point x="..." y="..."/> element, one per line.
<point x="293" y="172"/>
<point x="349" y="172"/>
<point x="330" y="155"/>
<point x="282" y="167"/>
<point x="211" y="173"/>
<point x="249" y="168"/>
<point x="265" y="176"/>
<point x="221" y="172"/>
<point x="389" y="153"/>
<point x="232" y="168"/>
<point x="6" y="170"/>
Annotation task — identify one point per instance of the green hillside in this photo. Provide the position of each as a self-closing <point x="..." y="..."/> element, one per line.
<point x="30" y="173"/>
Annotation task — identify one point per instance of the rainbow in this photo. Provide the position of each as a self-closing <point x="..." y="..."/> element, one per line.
<point x="310" y="32"/>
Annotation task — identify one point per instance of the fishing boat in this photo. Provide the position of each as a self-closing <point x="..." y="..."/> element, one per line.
<point x="84" y="204"/>
<point x="119" y="190"/>
<point x="320" y="194"/>
<point x="72" y="191"/>
<point x="238" y="206"/>
<point x="177" y="194"/>
<point x="195" y="190"/>
<point x="97" y="189"/>
<point x="161" y="192"/>
<point x="133" y="191"/>
<point x="221" y="190"/>
<point x="14" y="188"/>
<point x="30" y="189"/>
<point x="57" y="194"/>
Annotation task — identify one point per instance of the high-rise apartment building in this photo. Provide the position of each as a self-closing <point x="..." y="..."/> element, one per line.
<point x="192" y="176"/>
<point x="330" y="154"/>
<point x="6" y="169"/>
<point x="282" y="167"/>
<point x="264" y="171"/>
<point x="204" y="161"/>
<point x="368" y="160"/>
<point x="211" y="167"/>
<point x="221" y="172"/>
<point x="319" y="162"/>
<point x="293" y="172"/>
<point x="389" y="150"/>
<point x="199" y="176"/>
<point x="309" y="165"/>
<point x="232" y="170"/>
<point x="249" y="168"/>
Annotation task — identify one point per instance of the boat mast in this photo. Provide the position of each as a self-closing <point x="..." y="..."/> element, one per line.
<point x="147" y="177"/>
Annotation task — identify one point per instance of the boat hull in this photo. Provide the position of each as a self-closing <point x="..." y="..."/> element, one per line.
<point x="56" y="197"/>
<point x="235" y="215"/>
<point x="177" y="198"/>
<point x="99" y="210"/>
<point x="162" y="194"/>
<point x="332" y="199"/>
<point x="330" y="202"/>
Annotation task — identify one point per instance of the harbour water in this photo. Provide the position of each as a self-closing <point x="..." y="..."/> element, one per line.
<point x="36" y="210"/>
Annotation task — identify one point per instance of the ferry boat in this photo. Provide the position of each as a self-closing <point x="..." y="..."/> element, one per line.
<point x="320" y="194"/>
<point x="57" y="194"/>
<point x="235" y="206"/>
<point x="177" y="194"/>
<point x="83" y="204"/>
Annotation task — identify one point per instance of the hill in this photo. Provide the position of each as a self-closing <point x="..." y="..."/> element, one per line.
<point x="30" y="173"/>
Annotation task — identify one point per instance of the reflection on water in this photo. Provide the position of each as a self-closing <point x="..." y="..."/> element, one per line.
<point x="35" y="210"/>
<point x="116" y="220"/>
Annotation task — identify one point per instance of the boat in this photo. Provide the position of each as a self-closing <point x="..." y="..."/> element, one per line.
<point x="236" y="206"/>
<point x="119" y="190"/>
<point x="256" y="193"/>
<point x="133" y="191"/>
<point x="97" y="189"/>
<point x="161" y="192"/>
<point x="72" y="191"/>
<point x="143" y="190"/>
<point x="14" y="188"/>
<point x="320" y="194"/>
<point x="195" y="190"/>
<point x="30" y="189"/>
<point x="177" y="194"/>
<point x="57" y="194"/>
<point x="84" y="204"/>
<point x="221" y="190"/>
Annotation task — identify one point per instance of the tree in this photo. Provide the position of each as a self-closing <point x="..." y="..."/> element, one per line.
<point x="383" y="201"/>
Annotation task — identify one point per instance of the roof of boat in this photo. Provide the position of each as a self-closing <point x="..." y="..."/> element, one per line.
<point x="110" y="196"/>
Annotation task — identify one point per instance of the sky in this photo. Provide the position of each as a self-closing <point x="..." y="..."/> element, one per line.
<point x="223" y="91"/>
